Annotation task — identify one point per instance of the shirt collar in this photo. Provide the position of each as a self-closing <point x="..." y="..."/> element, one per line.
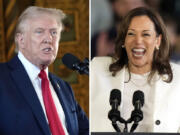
<point x="31" y="69"/>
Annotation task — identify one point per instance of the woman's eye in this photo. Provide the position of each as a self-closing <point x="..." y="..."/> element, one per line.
<point x="130" y="33"/>
<point x="146" y="34"/>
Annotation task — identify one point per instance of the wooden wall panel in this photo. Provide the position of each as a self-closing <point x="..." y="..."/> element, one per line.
<point x="2" y="41"/>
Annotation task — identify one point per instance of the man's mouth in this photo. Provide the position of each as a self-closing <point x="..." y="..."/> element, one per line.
<point x="138" y="52"/>
<point x="47" y="49"/>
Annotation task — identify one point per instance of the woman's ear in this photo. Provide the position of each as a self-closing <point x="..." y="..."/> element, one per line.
<point x="158" y="41"/>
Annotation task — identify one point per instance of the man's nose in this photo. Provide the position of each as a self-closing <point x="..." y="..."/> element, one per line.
<point x="48" y="38"/>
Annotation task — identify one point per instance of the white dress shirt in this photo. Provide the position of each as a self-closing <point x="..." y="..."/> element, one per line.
<point x="33" y="72"/>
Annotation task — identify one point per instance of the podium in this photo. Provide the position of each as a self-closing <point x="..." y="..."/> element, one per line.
<point x="115" y="133"/>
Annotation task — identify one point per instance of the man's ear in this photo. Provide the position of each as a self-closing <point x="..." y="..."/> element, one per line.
<point x="20" y="39"/>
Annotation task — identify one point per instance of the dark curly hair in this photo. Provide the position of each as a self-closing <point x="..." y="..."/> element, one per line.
<point x="161" y="57"/>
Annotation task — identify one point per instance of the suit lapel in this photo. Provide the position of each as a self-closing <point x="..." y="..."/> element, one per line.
<point x="67" y="108"/>
<point x="120" y="83"/>
<point x="121" y="79"/>
<point x="161" y="91"/>
<point x="25" y="86"/>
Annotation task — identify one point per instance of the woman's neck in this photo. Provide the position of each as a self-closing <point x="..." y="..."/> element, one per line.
<point x="139" y="69"/>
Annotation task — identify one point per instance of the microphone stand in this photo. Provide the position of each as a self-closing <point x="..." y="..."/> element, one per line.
<point x="134" y="126"/>
<point x="136" y="116"/>
<point x="114" y="116"/>
<point x="125" y="128"/>
<point x="116" y="127"/>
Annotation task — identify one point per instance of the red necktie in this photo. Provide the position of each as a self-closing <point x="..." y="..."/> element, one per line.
<point x="51" y="112"/>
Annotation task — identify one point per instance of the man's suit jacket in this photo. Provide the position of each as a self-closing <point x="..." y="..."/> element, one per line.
<point x="166" y="98"/>
<point x="20" y="109"/>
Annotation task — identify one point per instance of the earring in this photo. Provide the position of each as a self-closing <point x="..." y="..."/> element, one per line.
<point x="123" y="46"/>
<point x="157" y="47"/>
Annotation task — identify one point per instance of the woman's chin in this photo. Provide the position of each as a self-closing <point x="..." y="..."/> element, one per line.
<point x="139" y="63"/>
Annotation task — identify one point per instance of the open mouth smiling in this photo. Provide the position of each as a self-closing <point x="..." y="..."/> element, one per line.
<point x="138" y="52"/>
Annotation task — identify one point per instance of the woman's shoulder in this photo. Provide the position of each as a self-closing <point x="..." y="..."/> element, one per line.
<point x="102" y="60"/>
<point x="175" y="67"/>
<point x="176" y="71"/>
<point x="101" y="63"/>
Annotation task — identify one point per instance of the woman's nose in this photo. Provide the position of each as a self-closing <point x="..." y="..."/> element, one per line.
<point x="138" y="39"/>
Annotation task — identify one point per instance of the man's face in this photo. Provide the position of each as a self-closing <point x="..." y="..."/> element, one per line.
<point x="39" y="43"/>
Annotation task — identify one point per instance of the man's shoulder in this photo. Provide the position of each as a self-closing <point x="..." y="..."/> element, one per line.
<point x="12" y="63"/>
<point x="4" y="67"/>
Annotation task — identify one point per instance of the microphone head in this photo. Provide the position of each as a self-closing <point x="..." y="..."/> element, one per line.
<point x="138" y="95"/>
<point x="115" y="95"/>
<point x="69" y="60"/>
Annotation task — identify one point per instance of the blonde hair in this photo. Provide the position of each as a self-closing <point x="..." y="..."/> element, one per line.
<point x="34" y="11"/>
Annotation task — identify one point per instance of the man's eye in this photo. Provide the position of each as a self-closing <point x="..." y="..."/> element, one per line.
<point x="38" y="32"/>
<point x="54" y="33"/>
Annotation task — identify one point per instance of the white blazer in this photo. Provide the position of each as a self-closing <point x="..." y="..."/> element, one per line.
<point x="167" y="98"/>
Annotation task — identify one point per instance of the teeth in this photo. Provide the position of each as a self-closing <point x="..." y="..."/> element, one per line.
<point x="138" y="55"/>
<point x="138" y="50"/>
<point x="47" y="49"/>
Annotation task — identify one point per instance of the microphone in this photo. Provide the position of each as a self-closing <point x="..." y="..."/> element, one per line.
<point x="72" y="62"/>
<point x="114" y="113"/>
<point x="137" y="114"/>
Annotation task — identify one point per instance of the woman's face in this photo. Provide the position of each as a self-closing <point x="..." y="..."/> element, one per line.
<point x="140" y="43"/>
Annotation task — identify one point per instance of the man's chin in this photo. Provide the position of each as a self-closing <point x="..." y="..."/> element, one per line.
<point x="47" y="62"/>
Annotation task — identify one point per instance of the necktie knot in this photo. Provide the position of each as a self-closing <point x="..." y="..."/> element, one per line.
<point x="42" y="74"/>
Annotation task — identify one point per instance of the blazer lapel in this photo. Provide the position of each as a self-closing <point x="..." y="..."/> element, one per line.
<point x="67" y="107"/>
<point x="25" y="86"/>
<point x="121" y="78"/>
<point x="161" y="91"/>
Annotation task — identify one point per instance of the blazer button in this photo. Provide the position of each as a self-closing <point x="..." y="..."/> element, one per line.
<point x="158" y="122"/>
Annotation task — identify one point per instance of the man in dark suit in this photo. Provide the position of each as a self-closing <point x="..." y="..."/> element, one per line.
<point x="32" y="100"/>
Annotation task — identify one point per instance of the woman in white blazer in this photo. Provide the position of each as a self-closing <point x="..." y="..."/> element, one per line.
<point x="141" y="63"/>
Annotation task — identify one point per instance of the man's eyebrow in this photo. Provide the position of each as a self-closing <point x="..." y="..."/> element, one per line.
<point x="53" y="29"/>
<point x="39" y="28"/>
